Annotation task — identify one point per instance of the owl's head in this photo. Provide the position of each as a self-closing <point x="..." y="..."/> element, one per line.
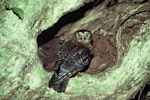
<point x="83" y="36"/>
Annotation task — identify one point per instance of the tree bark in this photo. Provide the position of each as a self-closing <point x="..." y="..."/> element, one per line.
<point x="22" y="75"/>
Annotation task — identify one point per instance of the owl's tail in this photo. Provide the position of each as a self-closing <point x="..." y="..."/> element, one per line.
<point x="59" y="83"/>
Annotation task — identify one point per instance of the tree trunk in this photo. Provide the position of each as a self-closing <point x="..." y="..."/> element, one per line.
<point x="120" y="27"/>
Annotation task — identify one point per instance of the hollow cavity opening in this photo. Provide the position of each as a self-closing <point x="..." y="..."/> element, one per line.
<point x="50" y="40"/>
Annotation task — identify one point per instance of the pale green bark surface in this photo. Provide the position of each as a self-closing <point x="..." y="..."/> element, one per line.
<point x="19" y="63"/>
<point x="22" y="76"/>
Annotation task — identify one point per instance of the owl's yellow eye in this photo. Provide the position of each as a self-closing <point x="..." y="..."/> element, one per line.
<point x="82" y="36"/>
<point x="79" y="36"/>
<point x="87" y="35"/>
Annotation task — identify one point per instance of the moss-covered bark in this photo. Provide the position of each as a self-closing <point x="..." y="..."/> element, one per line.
<point x="20" y="23"/>
<point x="22" y="75"/>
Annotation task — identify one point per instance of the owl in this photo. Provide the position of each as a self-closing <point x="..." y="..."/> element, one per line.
<point x="72" y="57"/>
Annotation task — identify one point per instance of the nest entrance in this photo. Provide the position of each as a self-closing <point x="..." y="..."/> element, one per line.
<point x="50" y="40"/>
<point x="103" y="20"/>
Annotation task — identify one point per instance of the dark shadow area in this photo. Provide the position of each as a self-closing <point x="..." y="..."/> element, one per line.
<point x="141" y="2"/>
<point x="141" y="95"/>
<point x="70" y="17"/>
<point x="111" y="3"/>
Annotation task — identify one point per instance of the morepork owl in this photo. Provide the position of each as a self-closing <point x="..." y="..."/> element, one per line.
<point x="72" y="57"/>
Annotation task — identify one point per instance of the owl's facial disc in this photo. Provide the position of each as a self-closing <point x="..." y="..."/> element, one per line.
<point x="83" y="36"/>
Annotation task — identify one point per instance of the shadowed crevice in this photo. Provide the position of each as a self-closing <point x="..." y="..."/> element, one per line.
<point x="70" y="17"/>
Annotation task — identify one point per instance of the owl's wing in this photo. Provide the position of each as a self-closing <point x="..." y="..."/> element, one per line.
<point x="58" y="83"/>
<point x="63" y="53"/>
<point x="81" y="60"/>
<point x="71" y="59"/>
<point x="77" y="58"/>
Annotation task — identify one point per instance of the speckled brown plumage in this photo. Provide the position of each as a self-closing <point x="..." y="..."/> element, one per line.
<point x="72" y="58"/>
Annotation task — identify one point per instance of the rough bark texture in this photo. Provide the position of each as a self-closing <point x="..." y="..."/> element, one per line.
<point x="119" y="68"/>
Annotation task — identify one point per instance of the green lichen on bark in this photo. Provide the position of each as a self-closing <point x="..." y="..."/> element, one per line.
<point x="20" y="67"/>
<point x="21" y="72"/>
